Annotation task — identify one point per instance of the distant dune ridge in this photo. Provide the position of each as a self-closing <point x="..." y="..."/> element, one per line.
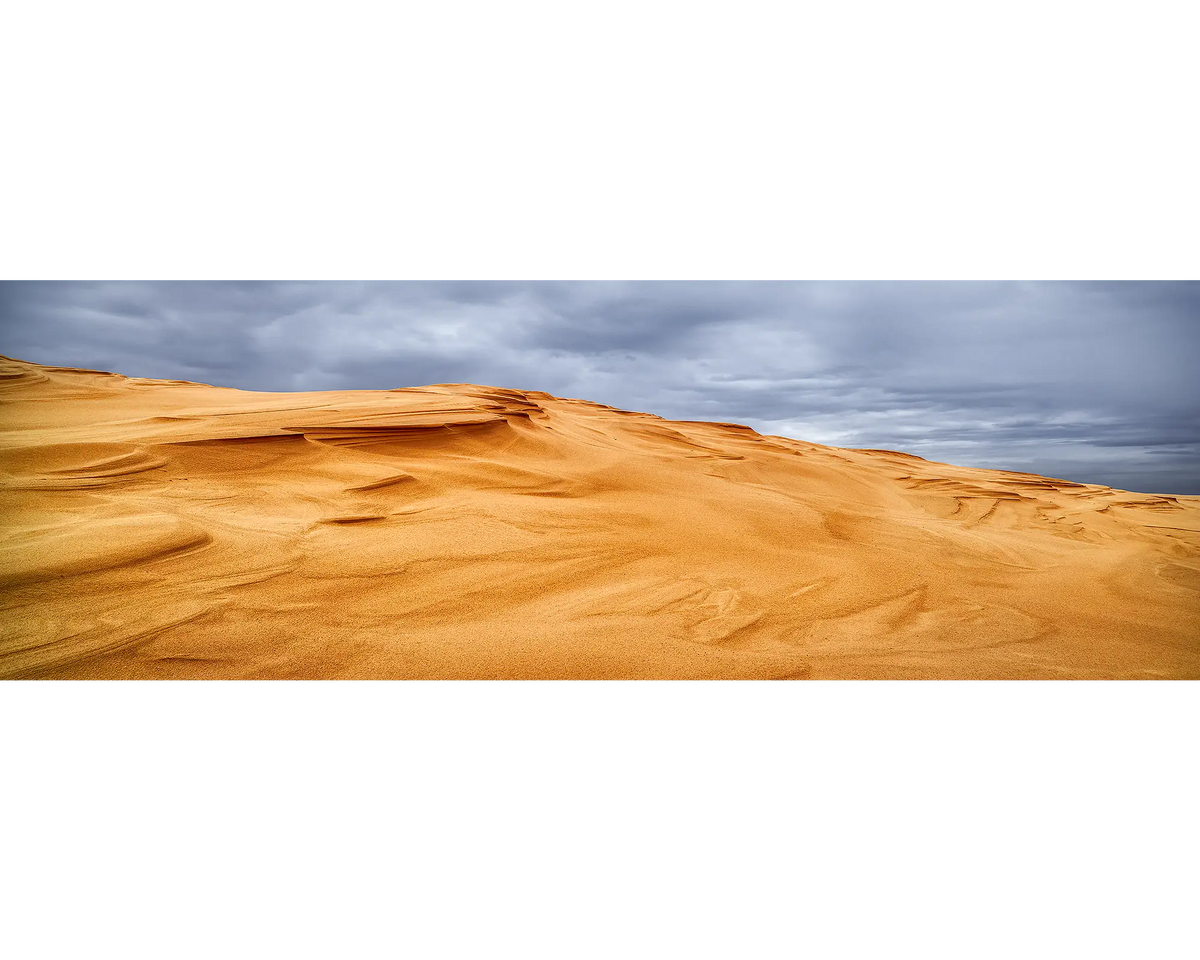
<point x="164" y="529"/>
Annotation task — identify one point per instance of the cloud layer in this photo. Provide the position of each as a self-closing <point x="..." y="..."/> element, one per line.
<point x="1095" y="382"/>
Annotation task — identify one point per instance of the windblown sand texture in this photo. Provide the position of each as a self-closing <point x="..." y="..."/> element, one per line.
<point x="155" y="529"/>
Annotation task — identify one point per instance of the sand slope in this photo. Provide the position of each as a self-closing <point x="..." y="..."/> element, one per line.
<point x="167" y="529"/>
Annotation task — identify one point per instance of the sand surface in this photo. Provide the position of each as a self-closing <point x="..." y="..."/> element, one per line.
<point x="155" y="529"/>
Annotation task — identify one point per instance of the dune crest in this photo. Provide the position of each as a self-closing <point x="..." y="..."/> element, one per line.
<point x="166" y="529"/>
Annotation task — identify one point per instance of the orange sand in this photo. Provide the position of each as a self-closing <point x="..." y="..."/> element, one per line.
<point x="154" y="529"/>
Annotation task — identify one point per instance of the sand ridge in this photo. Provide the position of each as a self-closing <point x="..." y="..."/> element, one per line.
<point x="166" y="529"/>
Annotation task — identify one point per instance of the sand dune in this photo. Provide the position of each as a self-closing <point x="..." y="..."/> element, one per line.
<point x="155" y="529"/>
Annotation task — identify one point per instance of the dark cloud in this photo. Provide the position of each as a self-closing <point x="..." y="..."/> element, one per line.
<point x="1090" y="381"/>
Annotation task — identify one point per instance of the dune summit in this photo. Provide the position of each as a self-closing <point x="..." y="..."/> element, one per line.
<point x="164" y="529"/>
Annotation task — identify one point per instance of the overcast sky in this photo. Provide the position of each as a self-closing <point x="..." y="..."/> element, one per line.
<point x="1097" y="382"/>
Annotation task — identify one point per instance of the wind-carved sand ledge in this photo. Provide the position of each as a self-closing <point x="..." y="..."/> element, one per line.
<point x="165" y="529"/>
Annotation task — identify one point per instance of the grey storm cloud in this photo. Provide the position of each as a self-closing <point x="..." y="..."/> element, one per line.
<point x="1095" y="382"/>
